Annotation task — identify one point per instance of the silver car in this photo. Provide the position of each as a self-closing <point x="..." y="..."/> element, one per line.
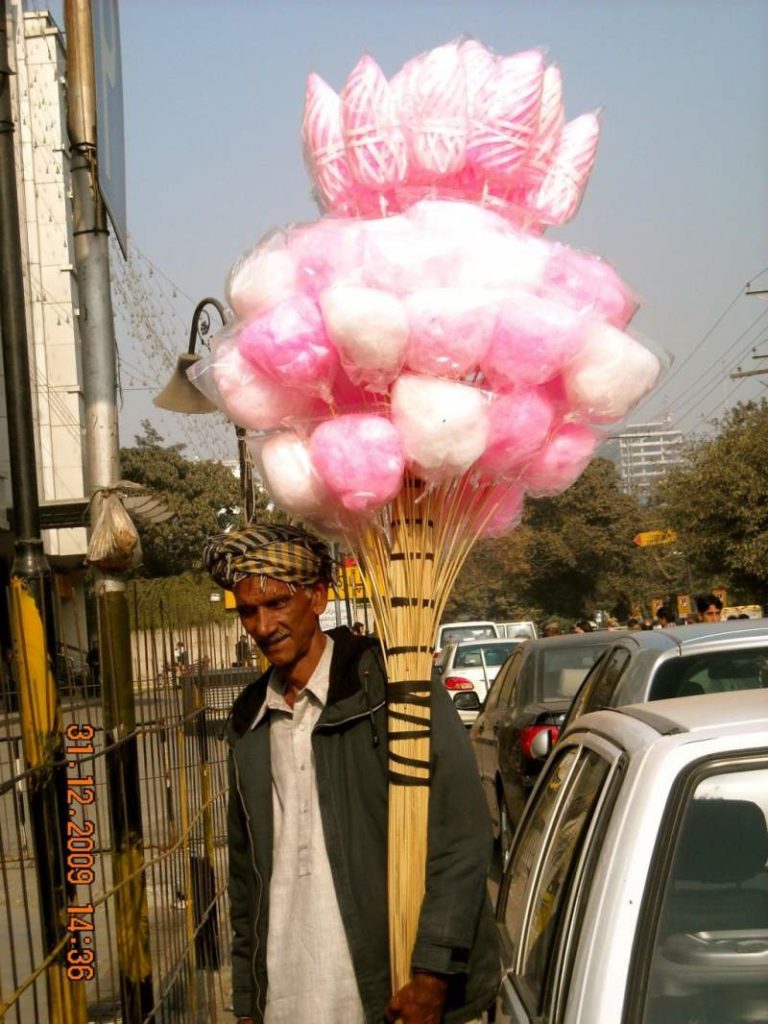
<point x="680" y="662"/>
<point x="636" y="890"/>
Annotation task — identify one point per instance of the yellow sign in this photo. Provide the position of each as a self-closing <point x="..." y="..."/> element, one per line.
<point x="683" y="605"/>
<point x="722" y="593"/>
<point x="653" y="537"/>
<point x="656" y="603"/>
<point x="351" y="581"/>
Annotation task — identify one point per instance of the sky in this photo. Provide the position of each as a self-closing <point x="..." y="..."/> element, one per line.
<point x="678" y="200"/>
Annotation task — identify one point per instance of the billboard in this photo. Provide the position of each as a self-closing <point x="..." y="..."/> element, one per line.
<point x="110" y="137"/>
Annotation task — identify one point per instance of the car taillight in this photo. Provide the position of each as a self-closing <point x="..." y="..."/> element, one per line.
<point x="529" y="734"/>
<point x="458" y="683"/>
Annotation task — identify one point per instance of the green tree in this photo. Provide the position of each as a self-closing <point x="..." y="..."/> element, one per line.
<point x="718" y="503"/>
<point x="195" y="491"/>
<point x="572" y="555"/>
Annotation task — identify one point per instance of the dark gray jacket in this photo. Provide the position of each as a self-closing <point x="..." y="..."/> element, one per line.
<point x="457" y="933"/>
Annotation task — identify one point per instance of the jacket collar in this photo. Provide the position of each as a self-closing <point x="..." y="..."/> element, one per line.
<point x="357" y="683"/>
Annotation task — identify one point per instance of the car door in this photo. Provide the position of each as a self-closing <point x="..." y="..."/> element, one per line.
<point x="511" y="757"/>
<point x="484" y="732"/>
<point x="546" y="881"/>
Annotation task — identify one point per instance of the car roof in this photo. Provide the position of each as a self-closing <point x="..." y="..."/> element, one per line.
<point x="484" y="640"/>
<point x="702" y="634"/>
<point x="733" y="712"/>
<point x="600" y="636"/>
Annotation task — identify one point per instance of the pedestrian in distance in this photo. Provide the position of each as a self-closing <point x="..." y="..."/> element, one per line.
<point x="307" y="819"/>
<point x="709" y="607"/>
<point x="664" y="617"/>
<point x="633" y="624"/>
<point x="243" y="656"/>
<point x="358" y="629"/>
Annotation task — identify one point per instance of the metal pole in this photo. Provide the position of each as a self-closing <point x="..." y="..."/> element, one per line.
<point x="103" y="471"/>
<point x="31" y="586"/>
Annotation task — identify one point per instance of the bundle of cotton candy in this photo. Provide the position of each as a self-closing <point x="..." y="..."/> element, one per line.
<point x="456" y="120"/>
<point x="285" y="466"/>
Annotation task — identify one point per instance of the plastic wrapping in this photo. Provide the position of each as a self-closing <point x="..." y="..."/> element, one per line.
<point x="114" y="545"/>
<point x="454" y="121"/>
<point x="424" y="325"/>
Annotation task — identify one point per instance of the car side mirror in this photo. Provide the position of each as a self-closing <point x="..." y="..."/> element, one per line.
<point x="468" y="701"/>
<point x="541" y="744"/>
<point x="439" y="669"/>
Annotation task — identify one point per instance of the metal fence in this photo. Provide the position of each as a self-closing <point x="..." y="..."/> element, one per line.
<point x="175" y="878"/>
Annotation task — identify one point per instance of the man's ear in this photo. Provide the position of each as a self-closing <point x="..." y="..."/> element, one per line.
<point x="319" y="597"/>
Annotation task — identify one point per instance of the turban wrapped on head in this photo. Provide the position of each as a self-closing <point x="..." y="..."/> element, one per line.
<point x="284" y="553"/>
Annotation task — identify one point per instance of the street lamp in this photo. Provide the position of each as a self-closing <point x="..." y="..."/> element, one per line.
<point x="181" y="395"/>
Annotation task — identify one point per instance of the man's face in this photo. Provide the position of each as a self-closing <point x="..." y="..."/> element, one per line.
<point x="712" y="614"/>
<point x="282" y="623"/>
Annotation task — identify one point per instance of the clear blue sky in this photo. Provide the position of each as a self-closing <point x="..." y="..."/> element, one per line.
<point x="678" y="201"/>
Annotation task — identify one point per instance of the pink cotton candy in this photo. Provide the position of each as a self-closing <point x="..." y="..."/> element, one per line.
<point x="561" y="461"/>
<point x="349" y="397"/>
<point x="286" y="469"/>
<point x="329" y="250"/>
<point x="587" y="285"/>
<point x="558" y="198"/>
<point x="324" y="146"/>
<point x="374" y="141"/>
<point x="548" y="129"/>
<point x="609" y="376"/>
<point x="507" y="514"/>
<point x="431" y="100"/>
<point x="450" y="330"/>
<point x="506" y="115"/>
<point x="519" y="424"/>
<point x="478" y="63"/>
<point x="399" y="256"/>
<point x="533" y="339"/>
<point x="252" y="400"/>
<point x="290" y="345"/>
<point x="360" y="459"/>
<point x="261" y="278"/>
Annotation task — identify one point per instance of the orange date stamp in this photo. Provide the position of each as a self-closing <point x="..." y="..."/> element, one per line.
<point x="79" y="852"/>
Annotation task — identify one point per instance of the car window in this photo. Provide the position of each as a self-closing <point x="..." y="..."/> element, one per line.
<point x="563" y="670"/>
<point x="471" y="655"/>
<point x="711" y="672"/>
<point x="521" y="685"/>
<point x="497" y="685"/>
<point x="458" y="633"/>
<point x="503" y="687"/>
<point x="600" y="684"/>
<point x="541" y="870"/>
<point x="709" y="960"/>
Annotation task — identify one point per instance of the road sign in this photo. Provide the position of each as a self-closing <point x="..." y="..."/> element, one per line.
<point x="653" y="537"/>
<point x="683" y="605"/>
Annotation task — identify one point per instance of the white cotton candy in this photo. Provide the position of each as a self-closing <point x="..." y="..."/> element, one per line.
<point x="370" y="330"/>
<point x="443" y="425"/>
<point x="261" y="279"/>
<point x="502" y="262"/>
<point x="286" y="468"/>
<point x="610" y="374"/>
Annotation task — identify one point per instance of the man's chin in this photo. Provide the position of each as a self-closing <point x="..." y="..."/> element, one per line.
<point x="279" y="653"/>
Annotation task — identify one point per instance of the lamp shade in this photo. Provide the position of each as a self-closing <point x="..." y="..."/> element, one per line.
<point x="180" y="394"/>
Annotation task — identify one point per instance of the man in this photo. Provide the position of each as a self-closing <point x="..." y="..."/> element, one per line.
<point x="308" y="816"/>
<point x="709" y="607"/>
<point x="664" y="617"/>
<point x="242" y="652"/>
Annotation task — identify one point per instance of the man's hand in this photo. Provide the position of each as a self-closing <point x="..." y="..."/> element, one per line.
<point x="421" y="1001"/>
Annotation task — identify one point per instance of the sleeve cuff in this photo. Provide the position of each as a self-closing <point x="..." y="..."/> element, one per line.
<point x="435" y="959"/>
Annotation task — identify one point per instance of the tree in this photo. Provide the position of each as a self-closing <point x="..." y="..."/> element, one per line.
<point x="572" y="554"/>
<point x="718" y="503"/>
<point x="195" y="491"/>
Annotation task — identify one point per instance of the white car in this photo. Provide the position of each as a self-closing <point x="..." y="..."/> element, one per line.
<point x="467" y="670"/>
<point x="636" y="888"/>
<point x="455" y="632"/>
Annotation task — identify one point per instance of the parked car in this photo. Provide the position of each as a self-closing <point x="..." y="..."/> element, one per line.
<point x="455" y="632"/>
<point x="678" y="662"/>
<point x="467" y="670"/>
<point x="530" y="696"/>
<point x="636" y="890"/>
<point x="524" y="629"/>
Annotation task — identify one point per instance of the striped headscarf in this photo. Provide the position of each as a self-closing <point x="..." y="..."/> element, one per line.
<point x="284" y="553"/>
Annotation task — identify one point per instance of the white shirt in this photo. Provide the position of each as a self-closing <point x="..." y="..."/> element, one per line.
<point x="309" y="968"/>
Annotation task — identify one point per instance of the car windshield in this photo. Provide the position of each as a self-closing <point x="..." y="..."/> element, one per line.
<point x="563" y="669"/>
<point x="456" y="634"/>
<point x="711" y="672"/>
<point x="471" y="655"/>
